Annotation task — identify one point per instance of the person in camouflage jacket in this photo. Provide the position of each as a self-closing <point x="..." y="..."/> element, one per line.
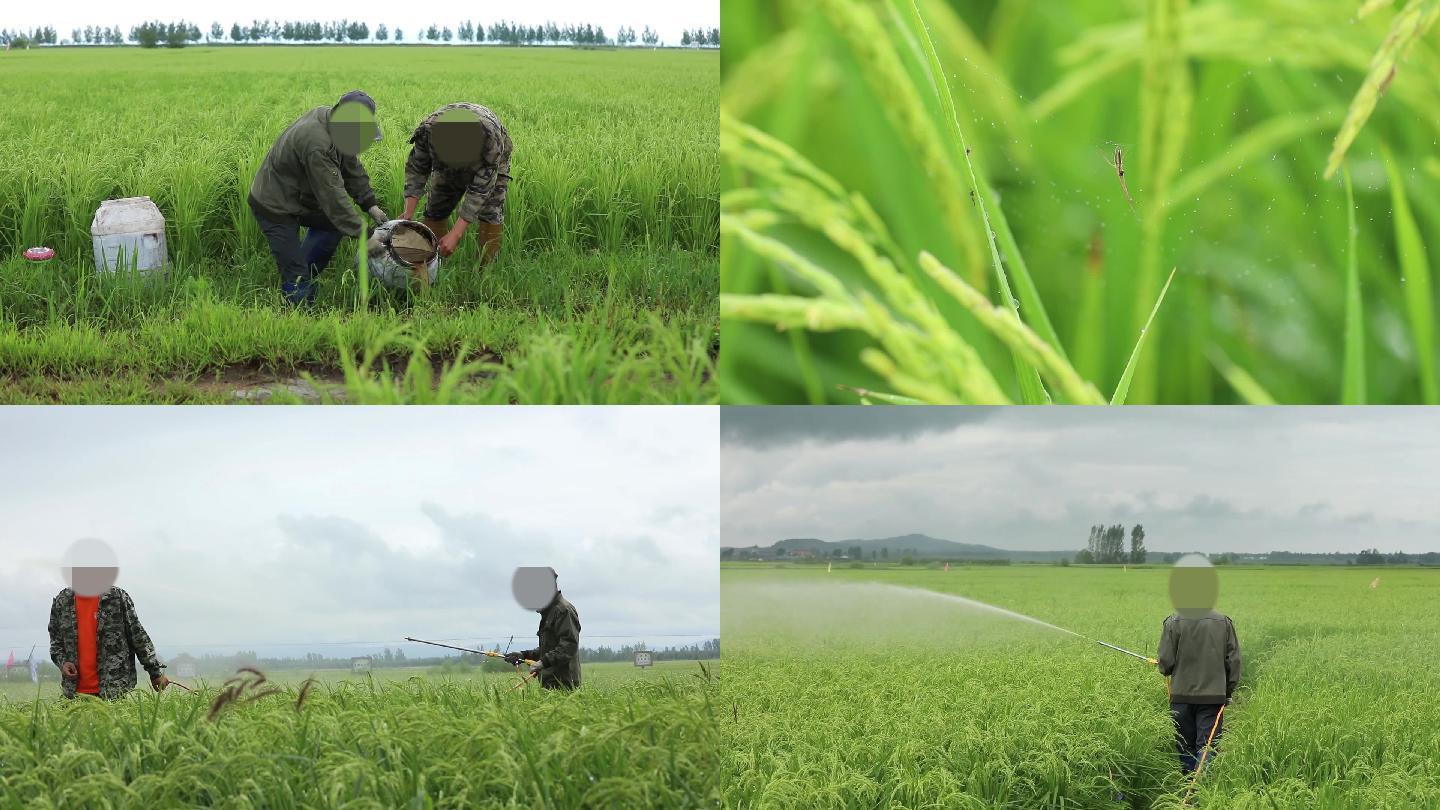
<point x="120" y="640"/>
<point x="460" y="151"/>
<point x="558" y="656"/>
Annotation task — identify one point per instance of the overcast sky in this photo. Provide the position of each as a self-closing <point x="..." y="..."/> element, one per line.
<point x="668" y="17"/>
<point x="289" y="530"/>
<point x="1203" y="479"/>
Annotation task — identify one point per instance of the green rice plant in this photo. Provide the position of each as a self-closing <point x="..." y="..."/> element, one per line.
<point x="924" y="358"/>
<point x="1415" y="274"/>
<point x="1354" y="378"/>
<point x="866" y="687"/>
<point x="417" y="741"/>
<point x="1223" y="113"/>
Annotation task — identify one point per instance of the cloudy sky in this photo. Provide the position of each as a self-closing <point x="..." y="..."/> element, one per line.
<point x="668" y="17"/>
<point x="290" y="530"/>
<point x="1199" y="479"/>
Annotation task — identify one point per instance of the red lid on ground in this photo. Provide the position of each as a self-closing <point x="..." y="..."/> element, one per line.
<point x="39" y="254"/>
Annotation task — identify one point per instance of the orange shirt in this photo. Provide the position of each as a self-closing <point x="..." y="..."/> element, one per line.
<point x="86" y="609"/>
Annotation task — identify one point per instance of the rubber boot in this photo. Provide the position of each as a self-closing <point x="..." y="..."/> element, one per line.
<point x="488" y="234"/>
<point x="439" y="227"/>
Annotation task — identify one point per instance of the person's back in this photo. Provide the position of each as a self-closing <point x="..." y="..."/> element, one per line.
<point x="1201" y="655"/>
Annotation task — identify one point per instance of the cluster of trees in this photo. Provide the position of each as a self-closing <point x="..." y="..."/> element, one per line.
<point x="1107" y="545"/>
<point x="22" y="39"/>
<point x="700" y="38"/>
<point x="1372" y="556"/>
<point x="276" y="31"/>
<point x="179" y="34"/>
<point x="627" y="36"/>
<point x="97" y="35"/>
<point x="171" y="35"/>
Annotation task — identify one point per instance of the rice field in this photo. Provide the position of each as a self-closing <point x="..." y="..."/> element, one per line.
<point x="1172" y="201"/>
<point x="605" y="292"/>
<point x="625" y="739"/>
<point x="842" y="690"/>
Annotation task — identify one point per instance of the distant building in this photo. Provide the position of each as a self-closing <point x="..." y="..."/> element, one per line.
<point x="361" y="663"/>
<point x="182" y="666"/>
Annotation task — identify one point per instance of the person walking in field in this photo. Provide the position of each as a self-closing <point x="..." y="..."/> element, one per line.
<point x="558" y="656"/>
<point x="460" y="151"/>
<point x="1200" y="654"/>
<point x="309" y="178"/>
<point x="95" y="634"/>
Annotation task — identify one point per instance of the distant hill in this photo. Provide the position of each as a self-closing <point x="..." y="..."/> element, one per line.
<point x="920" y="545"/>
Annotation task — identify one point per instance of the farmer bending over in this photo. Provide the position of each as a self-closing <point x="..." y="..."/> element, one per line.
<point x="460" y="150"/>
<point x="95" y="635"/>
<point x="1201" y="655"/>
<point x="558" y="656"/>
<point x="309" y="178"/>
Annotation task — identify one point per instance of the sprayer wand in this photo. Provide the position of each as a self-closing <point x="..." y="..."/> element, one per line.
<point x="1145" y="658"/>
<point x="466" y="649"/>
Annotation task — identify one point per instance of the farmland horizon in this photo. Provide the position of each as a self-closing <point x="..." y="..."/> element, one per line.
<point x="668" y="19"/>
<point x="927" y="547"/>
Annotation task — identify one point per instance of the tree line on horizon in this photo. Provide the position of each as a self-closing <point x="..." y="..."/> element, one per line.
<point x="180" y="34"/>
<point x="1107" y="546"/>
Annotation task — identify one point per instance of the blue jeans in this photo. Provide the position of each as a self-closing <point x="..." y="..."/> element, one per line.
<point x="1193" y="725"/>
<point x="299" y="262"/>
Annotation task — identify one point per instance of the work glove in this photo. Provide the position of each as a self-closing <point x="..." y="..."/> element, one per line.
<point x="378" y="214"/>
<point x="513" y="659"/>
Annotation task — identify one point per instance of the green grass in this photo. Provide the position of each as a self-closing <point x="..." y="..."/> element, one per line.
<point x="838" y="696"/>
<point x="985" y="142"/>
<point x="605" y="292"/>
<point x="632" y="740"/>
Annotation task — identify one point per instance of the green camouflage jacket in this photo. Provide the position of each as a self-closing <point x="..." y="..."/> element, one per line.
<point x="1202" y="657"/>
<point x="479" y="181"/>
<point x="306" y="180"/>
<point x="121" y="640"/>
<point x="559" y="650"/>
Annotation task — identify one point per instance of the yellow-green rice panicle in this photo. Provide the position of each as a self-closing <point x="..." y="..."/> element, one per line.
<point x="1409" y="25"/>
<point x="873" y="46"/>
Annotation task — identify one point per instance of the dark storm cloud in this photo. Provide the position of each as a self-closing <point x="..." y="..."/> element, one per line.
<point x="778" y="426"/>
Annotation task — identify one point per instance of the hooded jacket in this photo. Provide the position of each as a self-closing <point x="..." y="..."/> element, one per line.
<point x="559" y="650"/>
<point x="120" y="641"/>
<point x="307" y="181"/>
<point x="1201" y="655"/>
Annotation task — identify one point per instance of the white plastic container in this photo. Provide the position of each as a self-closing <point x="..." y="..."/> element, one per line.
<point x="128" y="234"/>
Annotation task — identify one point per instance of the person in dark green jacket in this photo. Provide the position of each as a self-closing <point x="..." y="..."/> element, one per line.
<point x="557" y="659"/>
<point x="1200" y="654"/>
<point x="309" y="178"/>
